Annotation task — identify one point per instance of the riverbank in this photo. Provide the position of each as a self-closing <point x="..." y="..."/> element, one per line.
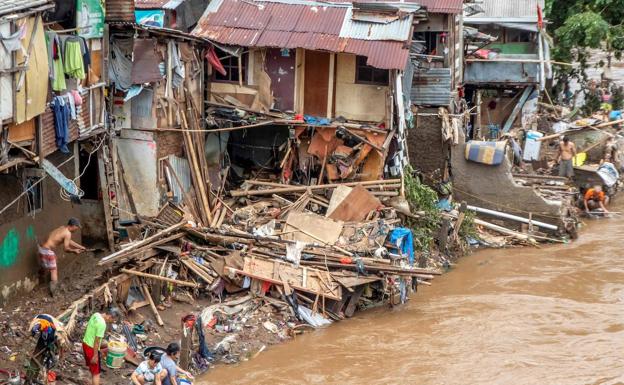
<point x="522" y="316"/>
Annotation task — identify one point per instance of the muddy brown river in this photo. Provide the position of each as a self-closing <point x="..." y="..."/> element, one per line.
<point x="553" y="315"/>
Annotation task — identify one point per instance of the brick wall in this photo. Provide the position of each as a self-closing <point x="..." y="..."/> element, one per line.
<point x="426" y="150"/>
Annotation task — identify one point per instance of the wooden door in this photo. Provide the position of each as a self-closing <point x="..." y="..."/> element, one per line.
<point x="281" y="70"/>
<point x="316" y="83"/>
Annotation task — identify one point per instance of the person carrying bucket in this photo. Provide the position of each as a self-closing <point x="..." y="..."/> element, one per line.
<point x="171" y="368"/>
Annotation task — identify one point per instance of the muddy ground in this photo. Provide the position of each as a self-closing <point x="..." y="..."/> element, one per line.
<point x="76" y="280"/>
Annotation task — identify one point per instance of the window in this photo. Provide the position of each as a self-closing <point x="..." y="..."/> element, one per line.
<point x="366" y="74"/>
<point x="230" y="64"/>
<point x="429" y="39"/>
<point x="34" y="194"/>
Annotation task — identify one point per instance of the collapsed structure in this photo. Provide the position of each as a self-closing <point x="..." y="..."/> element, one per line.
<point x="250" y="157"/>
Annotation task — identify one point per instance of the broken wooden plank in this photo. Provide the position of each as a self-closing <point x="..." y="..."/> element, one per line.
<point x="149" y="298"/>
<point x="159" y="278"/>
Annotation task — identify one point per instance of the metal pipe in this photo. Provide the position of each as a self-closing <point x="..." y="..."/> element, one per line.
<point x="512" y="217"/>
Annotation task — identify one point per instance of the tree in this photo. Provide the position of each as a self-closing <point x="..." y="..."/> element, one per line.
<point x="580" y="25"/>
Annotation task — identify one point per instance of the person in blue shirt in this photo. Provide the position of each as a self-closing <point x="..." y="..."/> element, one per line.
<point x="170" y="366"/>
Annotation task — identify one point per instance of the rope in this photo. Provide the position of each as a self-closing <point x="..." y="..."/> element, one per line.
<point x="63" y="193"/>
<point x="5" y="208"/>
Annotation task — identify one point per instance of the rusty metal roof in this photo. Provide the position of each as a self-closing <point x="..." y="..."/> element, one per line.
<point x="306" y="24"/>
<point x="443" y="6"/>
<point x="120" y="10"/>
<point x="12" y="6"/>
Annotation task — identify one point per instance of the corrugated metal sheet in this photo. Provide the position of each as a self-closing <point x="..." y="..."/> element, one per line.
<point x="445" y="6"/>
<point x="398" y="30"/>
<point x="12" y="6"/>
<point x="517" y="9"/>
<point x="183" y="172"/>
<point x="432" y="87"/>
<point x="48" y="143"/>
<point x="172" y="4"/>
<point x="149" y="4"/>
<point x="432" y="6"/>
<point x="120" y="10"/>
<point x="308" y="25"/>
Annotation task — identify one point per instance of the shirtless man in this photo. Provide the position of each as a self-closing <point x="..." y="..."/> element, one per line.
<point x="567" y="151"/>
<point x="59" y="236"/>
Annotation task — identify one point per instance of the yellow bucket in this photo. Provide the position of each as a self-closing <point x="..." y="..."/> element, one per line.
<point x="116" y="353"/>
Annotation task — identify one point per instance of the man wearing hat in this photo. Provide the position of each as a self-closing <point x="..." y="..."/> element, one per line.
<point x="59" y="236"/>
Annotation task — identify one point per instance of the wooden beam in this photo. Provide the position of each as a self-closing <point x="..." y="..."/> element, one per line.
<point x="158" y="278"/>
<point x="149" y="298"/>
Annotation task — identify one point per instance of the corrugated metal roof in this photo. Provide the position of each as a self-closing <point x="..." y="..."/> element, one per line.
<point x="431" y="87"/>
<point x="398" y="30"/>
<point x="433" y="6"/>
<point x="444" y="6"/>
<point x="149" y="4"/>
<point x="305" y="24"/>
<point x="501" y="10"/>
<point x="12" y="6"/>
<point x="120" y="10"/>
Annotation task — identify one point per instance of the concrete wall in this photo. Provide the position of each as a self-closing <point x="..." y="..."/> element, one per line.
<point x="357" y="101"/>
<point x="19" y="233"/>
<point x="427" y="152"/>
<point x="493" y="187"/>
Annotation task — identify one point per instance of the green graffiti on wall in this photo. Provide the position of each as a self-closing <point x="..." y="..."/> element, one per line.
<point x="9" y="249"/>
<point x="30" y="233"/>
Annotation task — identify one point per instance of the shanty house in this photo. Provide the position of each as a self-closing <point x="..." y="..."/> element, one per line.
<point x="507" y="62"/>
<point x="51" y="117"/>
<point x="176" y="14"/>
<point x="324" y="62"/>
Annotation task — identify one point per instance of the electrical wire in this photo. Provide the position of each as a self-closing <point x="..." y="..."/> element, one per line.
<point x="66" y="196"/>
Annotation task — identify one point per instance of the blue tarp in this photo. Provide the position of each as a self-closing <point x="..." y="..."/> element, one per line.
<point x="405" y="240"/>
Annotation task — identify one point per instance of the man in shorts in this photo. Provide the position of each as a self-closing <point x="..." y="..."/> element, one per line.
<point x="567" y="152"/>
<point x="92" y="341"/>
<point x="59" y="236"/>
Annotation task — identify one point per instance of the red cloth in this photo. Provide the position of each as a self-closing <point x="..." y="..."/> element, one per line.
<point x="89" y="352"/>
<point x="213" y="59"/>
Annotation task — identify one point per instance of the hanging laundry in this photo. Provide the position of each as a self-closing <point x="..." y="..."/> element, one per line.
<point x="145" y="64"/>
<point x="213" y="59"/>
<point x="55" y="62"/>
<point x="14" y="42"/>
<point x="74" y="66"/>
<point x="86" y="54"/>
<point x="61" y="111"/>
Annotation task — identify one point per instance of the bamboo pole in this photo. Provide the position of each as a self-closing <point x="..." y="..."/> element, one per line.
<point x="149" y="299"/>
<point x="158" y="278"/>
<point x="291" y="189"/>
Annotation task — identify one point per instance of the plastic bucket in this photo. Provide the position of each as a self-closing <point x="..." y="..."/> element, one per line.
<point x="116" y="353"/>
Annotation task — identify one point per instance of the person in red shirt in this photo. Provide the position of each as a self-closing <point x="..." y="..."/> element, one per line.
<point x="595" y="199"/>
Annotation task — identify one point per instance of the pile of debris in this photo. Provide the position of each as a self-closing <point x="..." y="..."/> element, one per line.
<point x="274" y="259"/>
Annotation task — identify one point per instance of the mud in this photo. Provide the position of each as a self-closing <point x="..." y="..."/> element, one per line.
<point x="553" y="315"/>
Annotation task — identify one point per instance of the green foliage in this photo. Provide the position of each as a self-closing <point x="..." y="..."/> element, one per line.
<point x="592" y="104"/>
<point x="423" y="199"/>
<point x="468" y="228"/>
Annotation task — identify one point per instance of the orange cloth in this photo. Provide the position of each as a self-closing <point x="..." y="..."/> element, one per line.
<point x="591" y="194"/>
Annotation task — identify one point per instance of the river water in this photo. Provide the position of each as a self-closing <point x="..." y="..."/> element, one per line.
<point x="553" y="315"/>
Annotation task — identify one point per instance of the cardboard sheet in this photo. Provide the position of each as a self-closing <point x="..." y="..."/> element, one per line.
<point x="320" y="229"/>
<point x="356" y="206"/>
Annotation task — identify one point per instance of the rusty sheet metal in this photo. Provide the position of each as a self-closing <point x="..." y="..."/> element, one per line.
<point x="11" y="6"/>
<point x="445" y="6"/>
<point x="120" y="10"/>
<point x="48" y="135"/>
<point x="313" y="26"/>
<point x="398" y="30"/>
<point x="380" y="54"/>
<point x="149" y="4"/>
<point x="431" y="87"/>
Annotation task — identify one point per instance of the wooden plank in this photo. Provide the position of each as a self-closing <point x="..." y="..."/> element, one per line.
<point x="104" y="183"/>
<point x="148" y="297"/>
<point x="291" y="276"/>
<point x="159" y="278"/>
